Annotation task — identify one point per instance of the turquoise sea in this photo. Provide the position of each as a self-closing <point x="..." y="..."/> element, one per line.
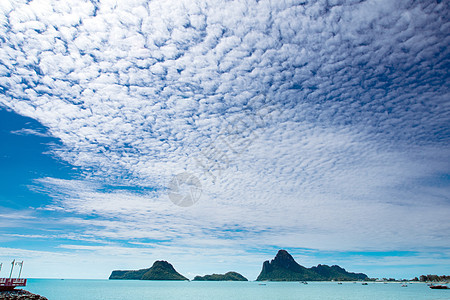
<point x="73" y="289"/>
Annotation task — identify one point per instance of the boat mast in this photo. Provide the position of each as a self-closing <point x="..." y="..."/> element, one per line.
<point x="21" y="264"/>
<point x="12" y="268"/>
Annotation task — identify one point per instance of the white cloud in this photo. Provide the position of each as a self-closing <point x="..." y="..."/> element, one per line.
<point x="29" y="131"/>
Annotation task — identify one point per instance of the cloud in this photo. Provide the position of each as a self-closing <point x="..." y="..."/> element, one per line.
<point x="317" y="221"/>
<point x="29" y="131"/>
<point x="303" y="121"/>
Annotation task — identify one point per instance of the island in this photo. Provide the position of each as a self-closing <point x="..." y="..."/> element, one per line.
<point x="284" y="268"/>
<point x="161" y="270"/>
<point x="229" y="276"/>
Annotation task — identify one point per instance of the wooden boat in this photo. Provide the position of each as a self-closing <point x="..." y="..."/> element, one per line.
<point x="439" y="287"/>
<point x="7" y="284"/>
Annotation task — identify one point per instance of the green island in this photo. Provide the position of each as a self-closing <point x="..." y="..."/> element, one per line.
<point x="284" y="268"/>
<point x="229" y="276"/>
<point x="161" y="270"/>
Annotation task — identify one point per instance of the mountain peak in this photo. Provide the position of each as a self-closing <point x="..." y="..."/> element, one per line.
<point x="283" y="255"/>
<point x="283" y="268"/>
<point x="284" y="259"/>
<point x="162" y="263"/>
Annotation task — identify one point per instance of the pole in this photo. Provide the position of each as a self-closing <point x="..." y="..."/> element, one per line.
<point x="21" y="265"/>
<point x="12" y="268"/>
<point x="1" y="265"/>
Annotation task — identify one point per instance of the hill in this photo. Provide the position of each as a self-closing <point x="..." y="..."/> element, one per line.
<point x="161" y="270"/>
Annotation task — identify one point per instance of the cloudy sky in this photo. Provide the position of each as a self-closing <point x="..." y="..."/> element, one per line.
<point x="320" y="127"/>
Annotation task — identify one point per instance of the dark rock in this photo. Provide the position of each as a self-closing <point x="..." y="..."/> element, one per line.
<point x="18" y="294"/>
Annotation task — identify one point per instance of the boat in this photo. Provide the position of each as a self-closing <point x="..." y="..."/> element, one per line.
<point x="439" y="287"/>
<point x="404" y="285"/>
<point x="364" y="283"/>
<point x="339" y="282"/>
<point x="8" y="284"/>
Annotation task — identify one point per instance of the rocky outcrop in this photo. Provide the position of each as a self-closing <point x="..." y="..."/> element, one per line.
<point x="18" y="294"/>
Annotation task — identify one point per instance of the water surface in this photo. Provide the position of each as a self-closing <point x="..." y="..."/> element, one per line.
<point x="74" y="289"/>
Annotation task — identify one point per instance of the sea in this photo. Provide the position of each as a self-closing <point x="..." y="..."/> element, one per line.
<point x="74" y="289"/>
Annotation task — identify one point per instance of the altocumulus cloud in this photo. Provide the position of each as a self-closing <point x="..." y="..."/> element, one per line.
<point x="353" y="96"/>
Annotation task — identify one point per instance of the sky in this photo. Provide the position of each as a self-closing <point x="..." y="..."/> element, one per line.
<point x="213" y="133"/>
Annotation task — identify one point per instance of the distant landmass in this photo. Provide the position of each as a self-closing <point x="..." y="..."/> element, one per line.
<point x="229" y="276"/>
<point x="161" y="270"/>
<point x="284" y="268"/>
<point x="433" y="278"/>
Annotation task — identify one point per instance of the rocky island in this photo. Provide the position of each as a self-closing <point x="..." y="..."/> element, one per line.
<point x="284" y="268"/>
<point x="229" y="276"/>
<point x="161" y="270"/>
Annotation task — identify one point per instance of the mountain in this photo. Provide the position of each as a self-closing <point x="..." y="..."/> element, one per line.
<point x="229" y="276"/>
<point x="284" y="268"/>
<point x="161" y="270"/>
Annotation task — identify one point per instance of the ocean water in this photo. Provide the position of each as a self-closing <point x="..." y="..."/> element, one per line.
<point x="72" y="289"/>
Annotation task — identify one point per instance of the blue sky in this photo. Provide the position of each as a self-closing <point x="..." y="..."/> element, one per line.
<point x="317" y="127"/>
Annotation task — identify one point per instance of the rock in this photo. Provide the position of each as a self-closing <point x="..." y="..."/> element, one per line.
<point x="18" y="294"/>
